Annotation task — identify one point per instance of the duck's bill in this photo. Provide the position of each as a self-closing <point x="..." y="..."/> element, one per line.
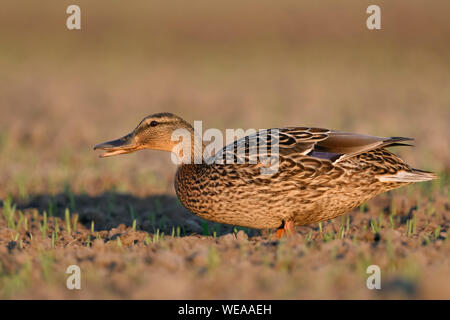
<point x="123" y="145"/>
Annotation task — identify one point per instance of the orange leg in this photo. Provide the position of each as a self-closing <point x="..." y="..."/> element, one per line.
<point x="287" y="227"/>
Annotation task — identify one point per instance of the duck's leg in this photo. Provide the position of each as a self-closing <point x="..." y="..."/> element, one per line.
<point x="286" y="227"/>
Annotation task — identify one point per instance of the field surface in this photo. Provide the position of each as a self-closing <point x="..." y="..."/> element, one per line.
<point x="234" y="64"/>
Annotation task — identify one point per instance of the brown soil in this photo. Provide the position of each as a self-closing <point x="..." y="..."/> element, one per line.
<point x="232" y="65"/>
<point x="118" y="262"/>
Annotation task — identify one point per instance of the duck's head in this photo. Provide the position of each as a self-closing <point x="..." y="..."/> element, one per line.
<point x="153" y="132"/>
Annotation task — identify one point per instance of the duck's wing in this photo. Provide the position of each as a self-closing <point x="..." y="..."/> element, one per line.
<point x="295" y="142"/>
<point x="339" y="145"/>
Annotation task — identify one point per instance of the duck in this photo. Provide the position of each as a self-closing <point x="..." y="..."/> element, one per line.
<point x="316" y="174"/>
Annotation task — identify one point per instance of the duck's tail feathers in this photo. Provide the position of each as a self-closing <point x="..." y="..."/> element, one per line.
<point x="415" y="175"/>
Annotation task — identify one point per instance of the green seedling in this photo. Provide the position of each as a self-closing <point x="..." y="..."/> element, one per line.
<point x="56" y="227"/>
<point x="213" y="258"/>
<point x="328" y="236"/>
<point x="9" y="211"/>
<point x="110" y="205"/>
<point x="409" y="227"/>
<point x="205" y="229"/>
<point x="41" y="227"/>
<point x="132" y="212"/>
<point x="437" y="231"/>
<point x="309" y="236"/>
<point x="21" y="219"/>
<point x="21" y="185"/>
<point x="153" y="220"/>
<point x="163" y="222"/>
<point x="393" y="208"/>
<point x="158" y="205"/>
<point x="67" y="217"/>
<point x="156" y="237"/>
<point x="75" y="223"/>
<point x="380" y="221"/>
<point x="217" y="227"/>
<point x="391" y="220"/>
<point x="50" y="207"/>
<point x="45" y="222"/>
<point x="426" y="239"/>
<point x="53" y="239"/>
<point x="71" y="197"/>
<point x="341" y="232"/>
<point x="374" y="226"/>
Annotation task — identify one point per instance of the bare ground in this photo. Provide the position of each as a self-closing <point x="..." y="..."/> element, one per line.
<point x="233" y="65"/>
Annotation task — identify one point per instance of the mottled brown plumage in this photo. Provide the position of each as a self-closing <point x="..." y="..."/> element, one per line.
<point x="321" y="173"/>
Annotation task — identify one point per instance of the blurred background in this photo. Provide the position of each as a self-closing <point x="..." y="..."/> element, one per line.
<point x="232" y="64"/>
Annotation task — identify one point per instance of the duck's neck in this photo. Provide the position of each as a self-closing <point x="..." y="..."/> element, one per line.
<point x="189" y="140"/>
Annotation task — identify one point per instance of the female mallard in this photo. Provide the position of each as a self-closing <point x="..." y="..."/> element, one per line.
<point x="320" y="173"/>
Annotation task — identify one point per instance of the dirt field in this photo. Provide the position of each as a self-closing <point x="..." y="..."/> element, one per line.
<point x="232" y="65"/>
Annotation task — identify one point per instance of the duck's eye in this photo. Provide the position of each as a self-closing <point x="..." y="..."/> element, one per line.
<point x="153" y="124"/>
